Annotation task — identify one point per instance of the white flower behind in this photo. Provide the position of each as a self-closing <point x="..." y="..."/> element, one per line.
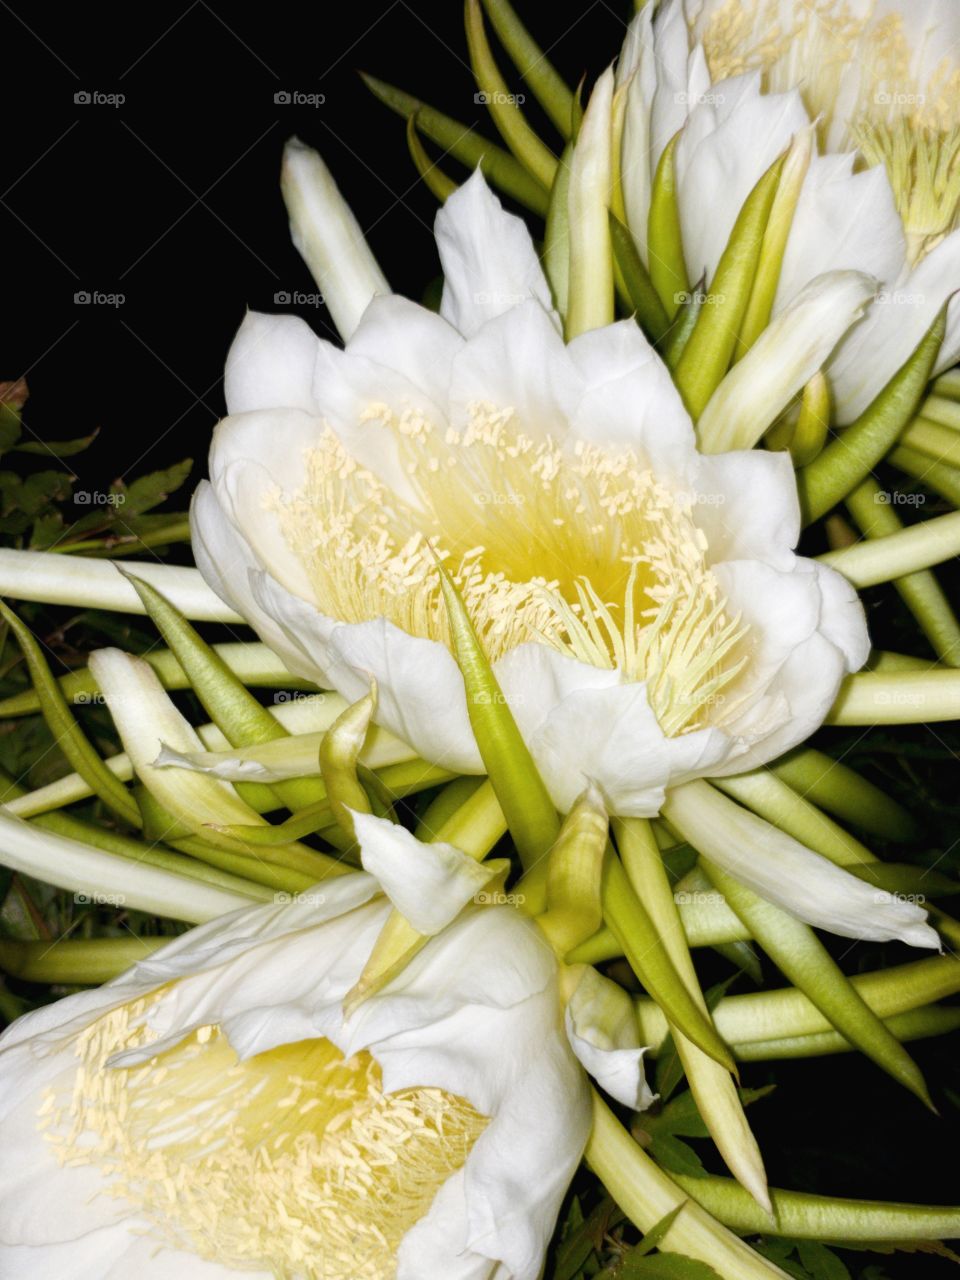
<point x="881" y="79"/>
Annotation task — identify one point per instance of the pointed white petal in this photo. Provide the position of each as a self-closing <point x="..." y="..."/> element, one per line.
<point x="785" y="872"/>
<point x="329" y="237"/>
<point x="488" y="259"/>
<point x="270" y="365"/>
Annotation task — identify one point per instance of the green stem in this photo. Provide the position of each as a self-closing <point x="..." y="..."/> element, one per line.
<point x="921" y="593"/>
<point x="646" y="1195"/>
<point x="897" y="554"/>
<point x="801" y="1216"/>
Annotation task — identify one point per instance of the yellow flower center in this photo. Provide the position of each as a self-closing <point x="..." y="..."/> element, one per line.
<point x="293" y="1161"/>
<point x="577" y="547"/>
<point x="908" y="124"/>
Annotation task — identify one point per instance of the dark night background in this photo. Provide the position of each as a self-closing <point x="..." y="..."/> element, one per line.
<point x="171" y="199"/>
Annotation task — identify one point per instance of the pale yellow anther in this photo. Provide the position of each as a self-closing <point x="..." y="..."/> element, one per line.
<point x="575" y="546"/>
<point x="293" y="1162"/>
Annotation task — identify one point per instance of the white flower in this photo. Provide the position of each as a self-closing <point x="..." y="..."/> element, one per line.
<point x="882" y="80"/>
<point x="642" y="605"/>
<point x="210" y="1113"/>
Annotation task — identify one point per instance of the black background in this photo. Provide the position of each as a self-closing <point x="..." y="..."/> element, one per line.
<point x="171" y="199"/>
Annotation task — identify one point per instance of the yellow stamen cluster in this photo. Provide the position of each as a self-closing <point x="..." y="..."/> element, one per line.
<point x="293" y="1162"/>
<point x="575" y="546"/>
<point x="901" y="117"/>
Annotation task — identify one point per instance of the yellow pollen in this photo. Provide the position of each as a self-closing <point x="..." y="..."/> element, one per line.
<point x="577" y="547"/>
<point x="294" y="1161"/>
<point x="899" y="116"/>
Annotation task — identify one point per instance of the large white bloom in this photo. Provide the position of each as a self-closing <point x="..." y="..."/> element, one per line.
<point x="211" y="1114"/>
<point x="882" y="80"/>
<point x="642" y="605"/>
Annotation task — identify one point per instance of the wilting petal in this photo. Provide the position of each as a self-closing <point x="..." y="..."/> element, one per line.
<point x="429" y="884"/>
<point x="602" y="1026"/>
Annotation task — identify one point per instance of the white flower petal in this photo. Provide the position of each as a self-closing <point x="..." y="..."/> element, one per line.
<point x="747" y="506"/>
<point x="429" y="884"/>
<point x="421" y="694"/>
<point x="329" y="237"/>
<point x="409" y="339"/>
<point x="226" y="561"/>
<point x="488" y="259"/>
<point x="517" y="361"/>
<point x="887" y="336"/>
<point x="630" y="399"/>
<point x="255" y="458"/>
<point x="270" y="365"/>
<point x="785" y="872"/>
<point x="582" y="724"/>
<point x="843" y="221"/>
<point x="602" y="1025"/>
<point x="726" y="153"/>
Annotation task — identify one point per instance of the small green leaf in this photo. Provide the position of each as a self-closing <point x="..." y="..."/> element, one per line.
<point x="66" y="732"/>
<point x="526" y="804"/>
<point x="668" y="270"/>
<point x="650" y="312"/>
<point x="57" y="448"/>
<point x="711" y="346"/>
<point x="504" y="109"/>
<point x="846" y="461"/>
<point x="463" y="143"/>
